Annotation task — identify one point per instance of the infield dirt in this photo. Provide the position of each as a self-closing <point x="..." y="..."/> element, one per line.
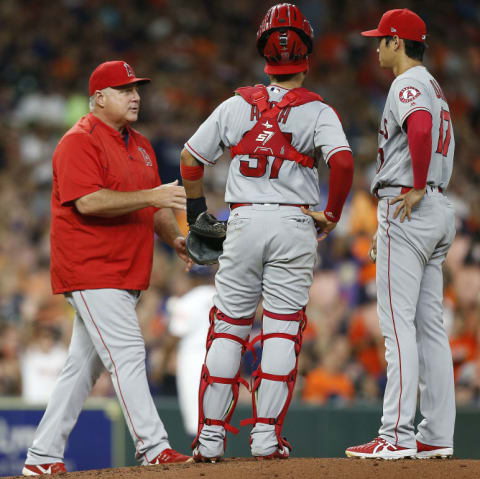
<point x="298" y="468"/>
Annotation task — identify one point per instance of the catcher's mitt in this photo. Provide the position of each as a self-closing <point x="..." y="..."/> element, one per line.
<point x="204" y="241"/>
<point x="207" y="225"/>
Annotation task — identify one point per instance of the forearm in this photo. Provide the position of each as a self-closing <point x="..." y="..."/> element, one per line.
<point x="110" y="203"/>
<point x="419" y="134"/>
<point x="340" y="182"/>
<point x="192" y="177"/>
<point x="193" y="187"/>
<point x="166" y="226"/>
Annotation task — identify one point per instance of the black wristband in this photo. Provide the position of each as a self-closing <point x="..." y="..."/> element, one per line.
<point x="195" y="206"/>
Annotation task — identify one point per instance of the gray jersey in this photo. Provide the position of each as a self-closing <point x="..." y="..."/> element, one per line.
<point x="414" y="90"/>
<point x="315" y="130"/>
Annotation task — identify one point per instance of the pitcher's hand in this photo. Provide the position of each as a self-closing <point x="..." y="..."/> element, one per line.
<point x="407" y="202"/>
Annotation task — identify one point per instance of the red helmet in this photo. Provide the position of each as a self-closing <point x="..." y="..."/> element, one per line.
<point x="285" y="39"/>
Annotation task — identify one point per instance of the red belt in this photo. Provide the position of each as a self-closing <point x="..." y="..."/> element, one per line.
<point x="236" y="205"/>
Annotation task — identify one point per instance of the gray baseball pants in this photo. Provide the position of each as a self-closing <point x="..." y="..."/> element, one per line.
<point x="106" y="334"/>
<point x="410" y="309"/>
<point x="269" y="253"/>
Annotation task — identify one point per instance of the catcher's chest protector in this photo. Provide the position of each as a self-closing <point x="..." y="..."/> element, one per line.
<point x="266" y="138"/>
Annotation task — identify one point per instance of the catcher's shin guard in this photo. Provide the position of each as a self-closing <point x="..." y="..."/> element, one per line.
<point x="216" y="407"/>
<point x="268" y="408"/>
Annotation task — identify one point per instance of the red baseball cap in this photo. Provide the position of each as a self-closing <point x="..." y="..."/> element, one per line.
<point x="401" y="22"/>
<point x="111" y="74"/>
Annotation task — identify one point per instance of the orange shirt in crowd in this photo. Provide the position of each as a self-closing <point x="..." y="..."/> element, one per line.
<point x="364" y="348"/>
<point x="320" y="385"/>
<point x="464" y="348"/>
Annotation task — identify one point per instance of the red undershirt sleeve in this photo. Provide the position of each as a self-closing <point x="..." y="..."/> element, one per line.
<point x="419" y="133"/>
<point x="340" y="182"/>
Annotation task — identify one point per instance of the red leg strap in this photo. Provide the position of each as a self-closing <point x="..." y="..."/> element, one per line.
<point x="298" y="316"/>
<point x="243" y="342"/>
<point x="289" y="378"/>
<point x="262" y="337"/>
<point x="236" y="321"/>
<point x="217" y="379"/>
<point x="264" y="420"/>
<point x="292" y="337"/>
<point x="218" y="422"/>
<point x="206" y="379"/>
<point x="235" y="380"/>
<point x="215" y="312"/>
<point x="276" y="377"/>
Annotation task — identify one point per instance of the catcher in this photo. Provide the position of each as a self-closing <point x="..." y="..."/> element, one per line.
<point x="276" y="135"/>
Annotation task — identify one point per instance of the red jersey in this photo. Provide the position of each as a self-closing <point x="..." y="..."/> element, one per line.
<point x="92" y="252"/>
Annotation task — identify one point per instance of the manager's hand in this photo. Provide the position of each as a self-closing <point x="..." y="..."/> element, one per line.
<point x="169" y="195"/>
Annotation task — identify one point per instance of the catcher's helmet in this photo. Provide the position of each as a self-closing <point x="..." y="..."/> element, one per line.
<point x="285" y="39"/>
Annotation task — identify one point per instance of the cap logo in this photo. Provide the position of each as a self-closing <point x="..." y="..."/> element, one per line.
<point x="392" y="29"/>
<point x="130" y="73"/>
<point x="408" y="94"/>
<point x="424" y="36"/>
<point x="146" y="156"/>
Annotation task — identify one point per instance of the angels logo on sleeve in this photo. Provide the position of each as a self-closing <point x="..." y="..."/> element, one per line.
<point x="408" y="94"/>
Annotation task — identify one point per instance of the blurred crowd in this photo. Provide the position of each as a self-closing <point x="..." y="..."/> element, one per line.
<point x="197" y="52"/>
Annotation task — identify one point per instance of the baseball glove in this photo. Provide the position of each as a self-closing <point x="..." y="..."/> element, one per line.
<point x="205" y="239"/>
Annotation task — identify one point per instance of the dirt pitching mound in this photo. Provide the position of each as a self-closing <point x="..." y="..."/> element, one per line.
<point x="241" y="468"/>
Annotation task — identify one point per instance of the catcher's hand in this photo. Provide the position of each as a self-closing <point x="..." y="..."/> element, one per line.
<point x="205" y="239"/>
<point x="322" y="223"/>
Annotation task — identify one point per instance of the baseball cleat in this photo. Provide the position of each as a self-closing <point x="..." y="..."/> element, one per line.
<point x="283" y="453"/>
<point x="197" y="457"/>
<point x="170" y="456"/>
<point x="379" y="448"/>
<point x="424" y="451"/>
<point x="39" y="469"/>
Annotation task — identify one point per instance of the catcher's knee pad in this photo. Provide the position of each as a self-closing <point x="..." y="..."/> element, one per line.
<point x="279" y="364"/>
<point x="222" y="357"/>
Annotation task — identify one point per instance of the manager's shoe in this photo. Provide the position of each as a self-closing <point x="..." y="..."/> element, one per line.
<point x="170" y="456"/>
<point x="39" y="469"/>
<point x="424" y="451"/>
<point x="379" y="448"/>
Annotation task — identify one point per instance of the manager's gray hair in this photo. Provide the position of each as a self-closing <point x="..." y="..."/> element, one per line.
<point x="92" y="100"/>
